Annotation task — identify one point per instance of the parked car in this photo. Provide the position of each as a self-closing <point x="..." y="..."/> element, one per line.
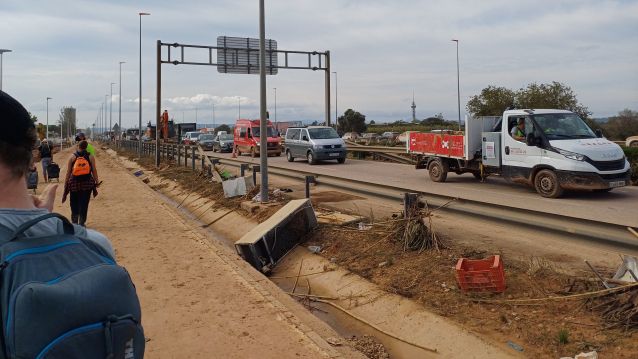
<point x="314" y="143"/>
<point x="223" y="143"/>
<point x="246" y="138"/>
<point x="631" y="141"/>
<point x="206" y="140"/>
<point x="390" y="136"/>
<point x="350" y="136"/>
<point x="190" y="138"/>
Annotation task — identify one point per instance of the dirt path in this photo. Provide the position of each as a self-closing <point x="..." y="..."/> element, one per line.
<point x="197" y="303"/>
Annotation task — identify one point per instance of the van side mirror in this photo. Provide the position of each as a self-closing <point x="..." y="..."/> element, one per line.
<point x="250" y="135"/>
<point x="304" y="138"/>
<point x="599" y="133"/>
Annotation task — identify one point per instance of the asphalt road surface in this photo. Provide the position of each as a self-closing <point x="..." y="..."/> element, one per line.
<point x="619" y="206"/>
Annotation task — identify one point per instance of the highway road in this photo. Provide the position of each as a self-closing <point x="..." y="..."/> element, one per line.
<point x="619" y="206"/>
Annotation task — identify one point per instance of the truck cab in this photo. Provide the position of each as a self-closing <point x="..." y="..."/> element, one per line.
<point x="550" y="150"/>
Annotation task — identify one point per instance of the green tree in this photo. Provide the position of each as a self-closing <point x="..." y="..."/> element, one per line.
<point x="351" y="121"/>
<point x="223" y="127"/>
<point x="555" y="95"/>
<point x="621" y="126"/>
<point x="34" y="118"/>
<point x="492" y="101"/>
<point x="372" y="122"/>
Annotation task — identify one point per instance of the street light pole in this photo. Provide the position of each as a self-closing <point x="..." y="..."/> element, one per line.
<point x="111" y="109"/>
<point x="48" y="98"/>
<point x="214" y="116"/>
<point x="2" y="51"/>
<point x="263" y="123"/>
<point x="119" y="122"/>
<point x="458" y="81"/>
<point x="336" y="99"/>
<point x="106" y="110"/>
<point x="276" y="127"/>
<point x="238" y="107"/>
<point x="140" y="97"/>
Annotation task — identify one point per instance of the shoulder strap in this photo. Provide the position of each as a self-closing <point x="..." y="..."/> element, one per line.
<point x="6" y="233"/>
<point x="68" y="227"/>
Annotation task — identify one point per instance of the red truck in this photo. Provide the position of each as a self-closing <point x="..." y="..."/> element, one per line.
<point x="246" y="138"/>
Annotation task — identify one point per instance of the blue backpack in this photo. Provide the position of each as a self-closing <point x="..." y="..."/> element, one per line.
<point x="63" y="296"/>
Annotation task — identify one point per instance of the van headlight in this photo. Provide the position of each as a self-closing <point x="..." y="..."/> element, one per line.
<point x="571" y="155"/>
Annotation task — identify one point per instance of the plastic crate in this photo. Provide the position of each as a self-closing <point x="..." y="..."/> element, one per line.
<point x="481" y="275"/>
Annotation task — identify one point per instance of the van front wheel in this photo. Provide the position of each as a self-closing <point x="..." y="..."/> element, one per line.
<point x="253" y="153"/>
<point x="311" y="158"/>
<point x="547" y="185"/>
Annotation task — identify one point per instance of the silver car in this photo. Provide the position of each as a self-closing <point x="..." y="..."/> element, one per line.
<point x="314" y="143"/>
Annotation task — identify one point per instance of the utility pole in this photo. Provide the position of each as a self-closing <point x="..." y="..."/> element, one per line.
<point x="263" y="128"/>
<point x="119" y="122"/>
<point x="458" y="81"/>
<point x="48" y="98"/>
<point x="111" y="110"/>
<point x="139" y="136"/>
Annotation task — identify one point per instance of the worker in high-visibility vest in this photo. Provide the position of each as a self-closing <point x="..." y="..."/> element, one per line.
<point x="165" y="125"/>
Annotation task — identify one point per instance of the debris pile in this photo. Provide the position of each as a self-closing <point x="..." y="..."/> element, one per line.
<point x="415" y="231"/>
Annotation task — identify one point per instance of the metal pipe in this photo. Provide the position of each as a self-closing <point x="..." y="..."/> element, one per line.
<point x="327" y="89"/>
<point x="119" y="122"/>
<point x="139" y="135"/>
<point x="2" y="51"/>
<point x="263" y="125"/>
<point x="458" y="81"/>
<point x="158" y="103"/>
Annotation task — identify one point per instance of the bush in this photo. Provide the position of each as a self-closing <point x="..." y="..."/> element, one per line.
<point x="632" y="157"/>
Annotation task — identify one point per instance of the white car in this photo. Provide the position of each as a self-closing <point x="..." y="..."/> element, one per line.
<point x="350" y="136"/>
<point x="631" y="141"/>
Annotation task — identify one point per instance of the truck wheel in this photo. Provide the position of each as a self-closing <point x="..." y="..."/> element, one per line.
<point x="438" y="171"/>
<point x="311" y="158"/>
<point x="289" y="156"/>
<point x="546" y="184"/>
<point x="477" y="175"/>
<point x="633" y="144"/>
<point x="237" y="151"/>
<point x="253" y="153"/>
<point x="341" y="160"/>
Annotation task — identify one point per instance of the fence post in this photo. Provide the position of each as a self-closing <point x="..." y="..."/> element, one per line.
<point x="309" y="180"/>
<point x="242" y="169"/>
<point x="410" y="204"/>
<point x="193" y="157"/>
<point x="255" y="170"/>
<point x="179" y="155"/>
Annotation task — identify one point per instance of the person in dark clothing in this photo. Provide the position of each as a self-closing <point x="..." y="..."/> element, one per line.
<point x="81" y="180"/>
<point x="46" y="155"/>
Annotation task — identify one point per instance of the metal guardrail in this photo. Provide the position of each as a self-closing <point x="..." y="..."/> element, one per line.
<point x="599" y="231"/>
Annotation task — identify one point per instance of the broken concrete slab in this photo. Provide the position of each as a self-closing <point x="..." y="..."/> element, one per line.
<point x="337" y="218"/>
<point x="265" y="245"/>
<point x="237" y="187"/>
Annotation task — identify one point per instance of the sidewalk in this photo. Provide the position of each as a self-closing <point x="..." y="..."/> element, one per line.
<point x="198" y="300"/>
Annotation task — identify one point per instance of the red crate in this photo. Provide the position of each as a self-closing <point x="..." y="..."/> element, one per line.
<point x="481" y="275"/>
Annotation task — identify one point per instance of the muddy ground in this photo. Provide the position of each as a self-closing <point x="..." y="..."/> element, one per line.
<point x="548" y="329"/>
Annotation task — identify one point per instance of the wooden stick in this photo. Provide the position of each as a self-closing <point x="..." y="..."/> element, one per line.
<point x="298" y="274"/>
<point x="391" y="335"/>
<point x="633" y="231"/>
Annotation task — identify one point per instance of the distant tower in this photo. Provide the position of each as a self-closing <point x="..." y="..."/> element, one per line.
<point x="413" y="108"/>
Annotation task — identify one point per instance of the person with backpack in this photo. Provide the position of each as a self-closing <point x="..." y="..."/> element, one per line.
<point x="62" y="295"/>
<point x="81" y="181"/>
<point x="46" y="156"/>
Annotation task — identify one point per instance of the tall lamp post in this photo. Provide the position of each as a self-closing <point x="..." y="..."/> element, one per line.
<point x="48" y="98"/>
<point x="238" y="107"/>
<point x="140" y="97"/>
<point x="214" y="116"/>
<point x="106" y="111"/>
<point x="336" y="99"/>
<point x="2" y="51"/>
<point x="111" y="110"/>
<point x="458" y="81"/>
<point x="276" y="127"/>
<point x="119" y="118"/>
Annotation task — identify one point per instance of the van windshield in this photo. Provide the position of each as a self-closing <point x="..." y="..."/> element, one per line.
<point x="271" y="132"/>
<point x="563" y="126"/>
<point x="322" y="133"/>
<point x="226" y="137"/>
<point x="206" y="137"/>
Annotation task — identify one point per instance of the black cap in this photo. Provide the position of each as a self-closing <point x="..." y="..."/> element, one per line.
<point x="15" y="122"/>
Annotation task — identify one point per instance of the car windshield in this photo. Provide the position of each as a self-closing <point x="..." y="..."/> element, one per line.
<point x="225" y="137"/>
<point x="563" y="126"/>
<point x="194" y="135"/>
<point x="322" y="133"/>
<point x="206" y="137"/>
<point x="271" y="132"/>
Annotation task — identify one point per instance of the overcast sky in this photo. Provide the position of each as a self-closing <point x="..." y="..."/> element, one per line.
<point x="382" y="50"/>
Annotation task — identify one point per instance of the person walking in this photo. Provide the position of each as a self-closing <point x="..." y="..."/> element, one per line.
<point x="81" y="181"/>
<point x="46" y="156"/>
